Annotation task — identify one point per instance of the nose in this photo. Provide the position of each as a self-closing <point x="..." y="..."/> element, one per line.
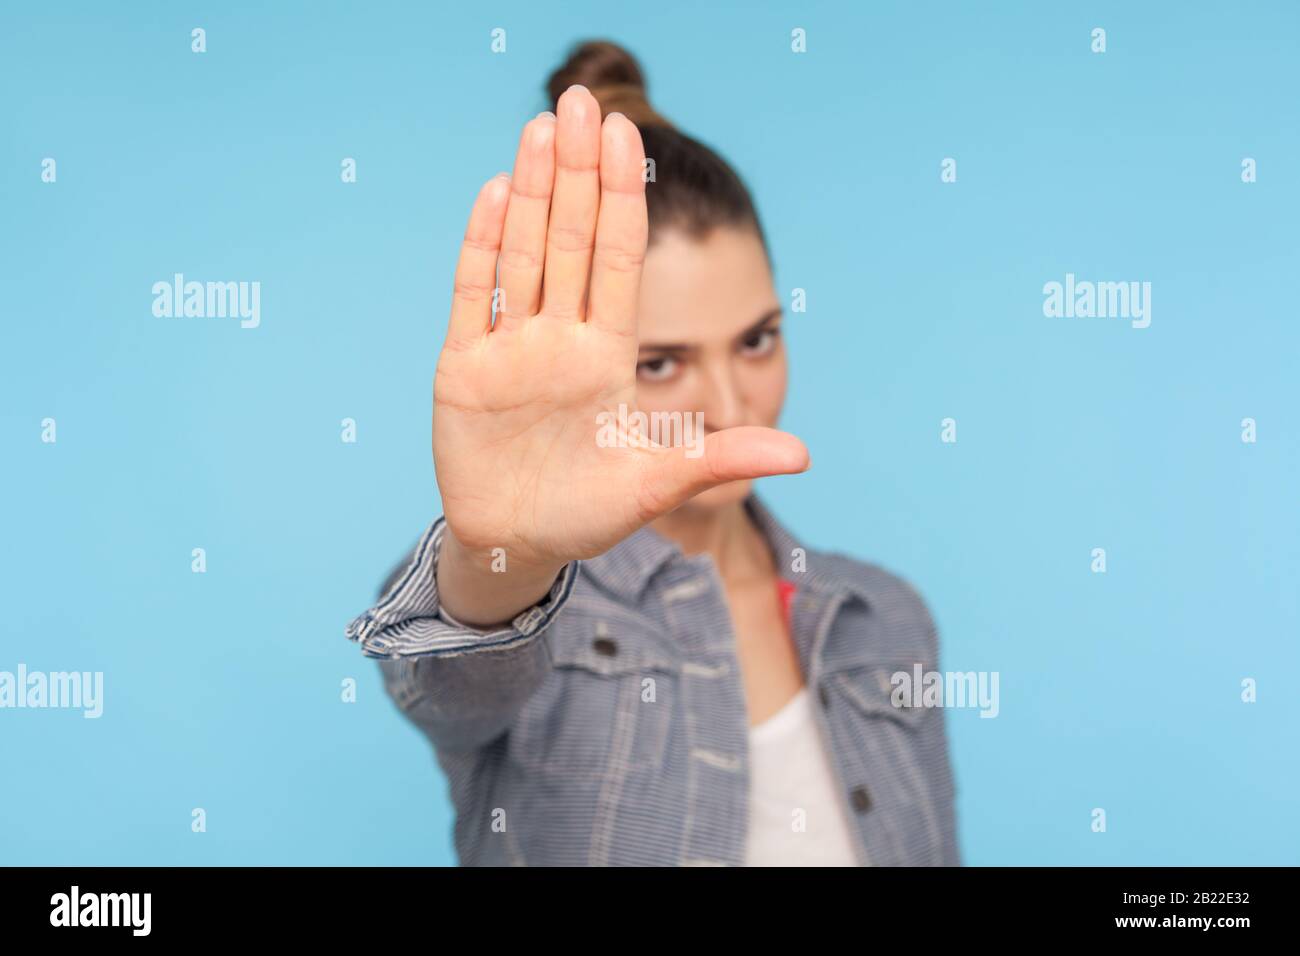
<point x="724" y="406"/>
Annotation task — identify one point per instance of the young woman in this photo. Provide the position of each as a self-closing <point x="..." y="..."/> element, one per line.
<point x="619" y="654"/>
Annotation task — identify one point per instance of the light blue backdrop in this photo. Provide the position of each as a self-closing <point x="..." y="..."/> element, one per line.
<point x="1118" y="690"/>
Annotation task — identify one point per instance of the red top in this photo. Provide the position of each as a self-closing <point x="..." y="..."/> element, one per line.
<point x="786" y="591"/>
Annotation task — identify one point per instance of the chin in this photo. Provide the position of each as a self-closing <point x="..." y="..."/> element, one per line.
<point x="722" y="496"/>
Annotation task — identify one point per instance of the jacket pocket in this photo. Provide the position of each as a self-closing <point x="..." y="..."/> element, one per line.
<point x="605" y="708"/>
<point x="893" y="760"/>
<point x="876" y="692"/>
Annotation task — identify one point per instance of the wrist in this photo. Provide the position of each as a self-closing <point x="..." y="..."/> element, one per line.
<point x="486" y="587"/>
<point x="503" y="564"/>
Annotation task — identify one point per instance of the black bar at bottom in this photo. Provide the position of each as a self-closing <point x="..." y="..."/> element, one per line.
<point x="339" y="906"/>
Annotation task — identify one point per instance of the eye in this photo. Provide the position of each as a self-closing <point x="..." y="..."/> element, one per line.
<point x="658" y="369"/>
<point x="759" y="344"/>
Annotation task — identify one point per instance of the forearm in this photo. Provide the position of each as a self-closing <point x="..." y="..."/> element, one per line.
<point x="461" y="684"/>
<point x="461" y="701"/>
<point x="484" y="590"/>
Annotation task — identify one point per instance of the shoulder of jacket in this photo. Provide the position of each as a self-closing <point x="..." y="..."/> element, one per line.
<point x="884" y="591"/>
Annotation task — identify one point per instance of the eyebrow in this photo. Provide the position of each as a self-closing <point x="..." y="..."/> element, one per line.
<point x="766" y="320"/>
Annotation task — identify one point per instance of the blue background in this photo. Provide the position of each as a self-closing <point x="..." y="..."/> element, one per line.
<point x="1119" y="691"/>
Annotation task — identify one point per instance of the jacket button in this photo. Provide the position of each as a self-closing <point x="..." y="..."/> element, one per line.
<point x="861" y="799"/>
<point x="604" y="646"/>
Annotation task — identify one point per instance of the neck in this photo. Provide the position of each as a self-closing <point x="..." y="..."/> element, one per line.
<point x="726" y="534"/>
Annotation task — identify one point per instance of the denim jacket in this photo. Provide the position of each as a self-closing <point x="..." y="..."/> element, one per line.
<point x="607" y="725"/>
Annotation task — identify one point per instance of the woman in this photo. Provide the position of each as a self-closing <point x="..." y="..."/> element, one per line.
<point x="618" y="653"/>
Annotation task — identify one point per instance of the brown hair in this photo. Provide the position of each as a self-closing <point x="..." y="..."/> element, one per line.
<point x="694" y="188"/>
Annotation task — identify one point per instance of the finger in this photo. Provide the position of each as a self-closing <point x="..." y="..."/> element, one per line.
<point x="733" y="454"/>
<point x="523" y="244"/>
<point x="571" y="231"/>
<point x="476" y="271"/>
<point x="621" y="227"/>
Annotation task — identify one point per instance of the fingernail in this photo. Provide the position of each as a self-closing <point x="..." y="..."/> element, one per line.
<point x="579" y="86"/>
<point x="546" y="113"/>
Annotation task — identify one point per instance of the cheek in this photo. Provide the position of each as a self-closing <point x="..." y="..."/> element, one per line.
<point x="682" y="394"/>
<point x="764" y="386"/>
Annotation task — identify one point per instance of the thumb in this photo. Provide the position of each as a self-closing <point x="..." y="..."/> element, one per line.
<point x="733" y="454"/>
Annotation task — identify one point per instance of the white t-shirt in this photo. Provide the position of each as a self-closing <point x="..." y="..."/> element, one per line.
<point x="791" y="771"/>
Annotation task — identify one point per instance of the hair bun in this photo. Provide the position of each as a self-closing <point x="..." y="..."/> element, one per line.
<point x="614" y="78"/>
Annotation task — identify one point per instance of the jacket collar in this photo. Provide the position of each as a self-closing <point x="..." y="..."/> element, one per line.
<point x="627" y="568"/>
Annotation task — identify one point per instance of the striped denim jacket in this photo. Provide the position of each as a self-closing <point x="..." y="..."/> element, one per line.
<point x="607" y="725"/>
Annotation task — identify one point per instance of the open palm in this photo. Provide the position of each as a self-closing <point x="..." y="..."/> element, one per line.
<point x="516" y="403"/>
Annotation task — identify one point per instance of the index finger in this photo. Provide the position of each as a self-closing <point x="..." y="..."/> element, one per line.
<point x="622" y="228"/>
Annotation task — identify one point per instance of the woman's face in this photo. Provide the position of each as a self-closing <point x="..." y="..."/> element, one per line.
<point x="709" y="328"/>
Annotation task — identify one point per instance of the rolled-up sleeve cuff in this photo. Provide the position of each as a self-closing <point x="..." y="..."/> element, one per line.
<point x="408" y="621"/>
